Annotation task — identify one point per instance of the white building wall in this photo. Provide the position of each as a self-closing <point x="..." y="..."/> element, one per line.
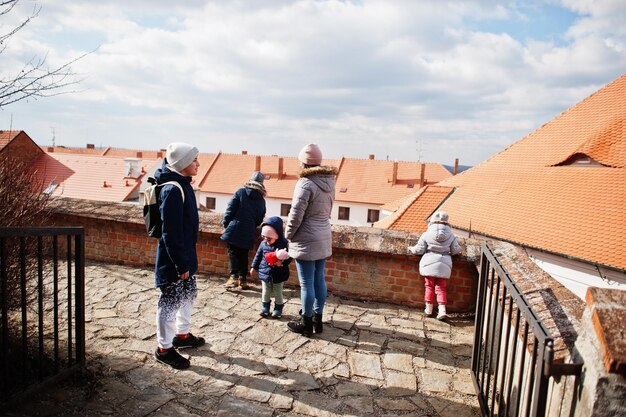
<point x="358" y="212"/>
<point x="574" y="275"/>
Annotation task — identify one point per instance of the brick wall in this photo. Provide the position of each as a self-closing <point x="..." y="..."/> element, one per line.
<point x="367" y="263"/>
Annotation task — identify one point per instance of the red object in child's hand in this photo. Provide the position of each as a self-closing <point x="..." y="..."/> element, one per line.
<point x="271" y="258"/>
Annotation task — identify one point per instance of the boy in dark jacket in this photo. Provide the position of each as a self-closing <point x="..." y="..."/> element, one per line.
<point x="176" y="260"/>
<point x="272" y="263"/>
<point x="245" y="212"/>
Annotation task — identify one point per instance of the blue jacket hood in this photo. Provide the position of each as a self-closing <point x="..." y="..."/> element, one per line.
<point x="277" y="224"/>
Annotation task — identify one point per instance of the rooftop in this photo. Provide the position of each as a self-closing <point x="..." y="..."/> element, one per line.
<point x="560" y="189"/>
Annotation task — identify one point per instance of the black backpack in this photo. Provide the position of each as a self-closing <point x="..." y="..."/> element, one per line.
<point x="151" y="214"/>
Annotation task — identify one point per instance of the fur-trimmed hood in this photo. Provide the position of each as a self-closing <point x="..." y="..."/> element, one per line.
<point x="322" y="176"/>
<point x="318" y="170"/>
<point x="254" y="185"/>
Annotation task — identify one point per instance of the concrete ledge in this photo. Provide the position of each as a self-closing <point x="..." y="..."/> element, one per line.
<point x="608" y="315"/>
<point x="559" y="309"/>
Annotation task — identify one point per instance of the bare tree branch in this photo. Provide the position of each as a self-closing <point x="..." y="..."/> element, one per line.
<point x="35" y="79"/>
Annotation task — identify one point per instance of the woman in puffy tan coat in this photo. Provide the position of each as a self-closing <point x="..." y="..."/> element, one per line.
<point x="309" y="233"/>
<point x="436" y="245"/>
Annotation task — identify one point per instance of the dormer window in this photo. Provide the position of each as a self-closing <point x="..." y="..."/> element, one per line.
<point x="50" y="188"/>
<point x="580" y="160"/>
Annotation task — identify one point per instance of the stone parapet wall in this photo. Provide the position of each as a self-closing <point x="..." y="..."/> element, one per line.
<point x="367" y="263"/>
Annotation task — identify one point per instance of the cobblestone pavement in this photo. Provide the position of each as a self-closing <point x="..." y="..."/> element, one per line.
<point x="373" y="359"/>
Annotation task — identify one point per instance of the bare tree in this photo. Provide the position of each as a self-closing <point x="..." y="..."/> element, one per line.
<point x="35" y="79"/>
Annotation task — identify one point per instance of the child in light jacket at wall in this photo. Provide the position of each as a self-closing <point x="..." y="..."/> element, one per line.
<point x="272" y="264"/>
<point x="436" y="245"/>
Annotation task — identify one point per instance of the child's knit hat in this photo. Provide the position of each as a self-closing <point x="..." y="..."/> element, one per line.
<point x="439" y="217"/>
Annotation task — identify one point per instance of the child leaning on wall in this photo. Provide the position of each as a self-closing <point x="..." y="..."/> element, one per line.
<point x="272" y="264"/>
<point x="436" y="245"/>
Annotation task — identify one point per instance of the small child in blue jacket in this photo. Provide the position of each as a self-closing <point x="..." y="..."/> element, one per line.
<point x="272" y="264"/>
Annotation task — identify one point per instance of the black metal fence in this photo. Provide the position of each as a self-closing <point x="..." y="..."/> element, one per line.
<point x="512" y="358"/>
<point x="42" y="323"/>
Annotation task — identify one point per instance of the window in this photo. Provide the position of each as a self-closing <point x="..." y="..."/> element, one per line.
<point x="373" y="216"/>
<point x="284" y="209"/>
<point x="344" y="213"/>
<point x="210" y="203"/>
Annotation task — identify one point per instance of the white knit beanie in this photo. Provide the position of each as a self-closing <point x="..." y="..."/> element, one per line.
<point x="180" y="155"/>
<point x="310" y="155"/>
<point x="439" y="217"/>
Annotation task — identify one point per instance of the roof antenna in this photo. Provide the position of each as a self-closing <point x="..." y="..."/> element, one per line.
<point x="11" y="123"/>
<point x="418" y="143"/>
<point x="53" y="136"/>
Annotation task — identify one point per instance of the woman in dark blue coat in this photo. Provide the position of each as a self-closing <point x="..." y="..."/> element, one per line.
<point x="245" y="212"/>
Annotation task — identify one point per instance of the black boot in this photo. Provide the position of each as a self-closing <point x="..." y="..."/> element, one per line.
<point x="317" y="323"/>
<point x="304" y="326"/>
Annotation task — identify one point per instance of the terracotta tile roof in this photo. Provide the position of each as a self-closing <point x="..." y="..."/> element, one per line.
<point x="364" y="181"/>
<point x="7" y="136"/>
<point x="228" y="172"/>
<point x="372" y="181"/>
<point x="532" y="194"/>
<point x="85" y="176"/>
<point x="109" y="152"/>
<point x="413" y="212"/>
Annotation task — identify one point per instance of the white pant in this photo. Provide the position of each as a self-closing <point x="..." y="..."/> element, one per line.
<point x="174" y="309"/>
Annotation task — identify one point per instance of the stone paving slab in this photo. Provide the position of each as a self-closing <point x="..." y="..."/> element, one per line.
<point x="373" y="359"/>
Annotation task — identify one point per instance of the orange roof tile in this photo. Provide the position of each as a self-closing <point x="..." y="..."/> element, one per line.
<point x="413" y="212"/>
<point x="529" y="194"/>
<point x="109" y="152"/>
<point x="7" y="136"/>
<point x="372" y="181"/>
<point x="85" y="176"/>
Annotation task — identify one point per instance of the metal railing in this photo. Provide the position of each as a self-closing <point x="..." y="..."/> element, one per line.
<point x="513" y="353"/>
<point x="42" y="297"/>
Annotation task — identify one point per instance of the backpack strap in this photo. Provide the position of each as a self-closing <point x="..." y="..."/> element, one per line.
<point x="176" y="183"/>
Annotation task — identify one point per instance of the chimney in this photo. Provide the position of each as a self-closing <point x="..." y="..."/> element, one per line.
<point x="50" y="149"/>
<point x="133" y="167"/>
<point x="257" y="165"/>
<point x="394" y="178"/>
<point x="91" y="146"/>
<point x="139" y="154"/>
<point x="281" y="163"/>
<point x="160" y="154"/>
<point x="244" y="152"/>
<point x="456" y="166"/>
<point x="372" y="156"/>
<point x="422" y="174"/>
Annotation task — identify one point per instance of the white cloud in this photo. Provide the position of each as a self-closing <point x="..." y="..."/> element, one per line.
<point x="358" y="77"/>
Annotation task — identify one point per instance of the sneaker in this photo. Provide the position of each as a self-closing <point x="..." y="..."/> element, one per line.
<point x="172" y="358"/>
<point x="428" y="310"/>
<point x="232" y="282"/>
<point x="442" y="315"/>
<point x="243" y="284"/>
<point x="189" y="342"/>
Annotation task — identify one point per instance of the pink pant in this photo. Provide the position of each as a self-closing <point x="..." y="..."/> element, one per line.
<point x="437" y="286"/>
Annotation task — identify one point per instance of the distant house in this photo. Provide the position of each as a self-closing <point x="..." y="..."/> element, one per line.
<point x="363" y="185"/>
<point x="94" y="174"/>
<point x="559" y="192"/>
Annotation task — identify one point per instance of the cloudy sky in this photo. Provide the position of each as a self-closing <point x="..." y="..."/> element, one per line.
<point x="428" y="80"/>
